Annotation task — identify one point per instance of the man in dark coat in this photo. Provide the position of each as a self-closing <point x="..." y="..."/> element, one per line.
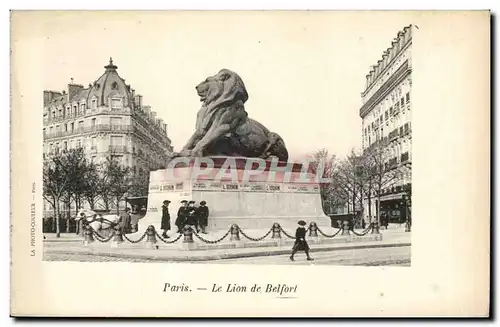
<point x="124" y="222"/>
<point x="202" y="214"/>
<point x="300" y="241"/>
<point x="165" y="218"/>
<point x="191" y="217"/>
<point x="181" y="216"/>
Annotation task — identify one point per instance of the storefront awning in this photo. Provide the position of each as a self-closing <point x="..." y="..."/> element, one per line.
<point x="398" y="196"/>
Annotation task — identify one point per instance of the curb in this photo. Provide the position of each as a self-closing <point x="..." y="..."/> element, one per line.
<point x="222" y="256"/>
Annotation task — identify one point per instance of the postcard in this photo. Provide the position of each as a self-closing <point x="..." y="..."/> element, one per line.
<point x="250" y="163"/>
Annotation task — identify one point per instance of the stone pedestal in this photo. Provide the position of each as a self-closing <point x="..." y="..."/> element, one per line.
<point x="281" y="193"/>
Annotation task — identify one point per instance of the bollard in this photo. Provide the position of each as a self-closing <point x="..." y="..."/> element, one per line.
<point x="313" y="229"/>
<point x="235" y="233"/>
<point x="345" y="228"/>
<point x="117" y="238"/>
<point x="150" y="236"/>
<point x="88" y="236"/>
<point x="188" y="234"/>
<point x="276" y="230"/>
<point x="375" y="228"/>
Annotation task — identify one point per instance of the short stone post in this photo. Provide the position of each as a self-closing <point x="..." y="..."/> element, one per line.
<point x="88" y="235"/>
<point x="117" y="238"/>
<point x="345" y="228"/>
<point x="313" y="229"/>
<point x="375" y="228"/>
<point x="235" y="233"/>
<point x="188" y="234"/>
<point x="150" y="236"/>
<point x="276" y="231"/>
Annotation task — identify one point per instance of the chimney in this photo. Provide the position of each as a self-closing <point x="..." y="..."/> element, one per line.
<point x="49" y="95"/>
<point x="73" y="89"/>
<point x="153" y="116"/>
<point x="147" y="110"/>
<point x="138" y="100"/>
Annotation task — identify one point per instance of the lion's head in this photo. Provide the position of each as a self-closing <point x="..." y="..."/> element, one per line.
<point x="223" y="88"/>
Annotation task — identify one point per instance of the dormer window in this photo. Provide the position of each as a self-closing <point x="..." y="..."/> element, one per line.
<point x="82" y="108"/>
<point x="94" y="103"/>
<point x="116" y="103"/>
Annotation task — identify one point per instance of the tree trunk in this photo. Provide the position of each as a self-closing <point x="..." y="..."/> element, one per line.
<point x="378" y="207"/>
<point x="370" y="203"/>
<point x="56" y="209"/>
<point x="106" y="203"/>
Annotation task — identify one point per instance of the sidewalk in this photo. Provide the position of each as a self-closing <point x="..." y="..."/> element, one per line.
<point x="231" y="249"/>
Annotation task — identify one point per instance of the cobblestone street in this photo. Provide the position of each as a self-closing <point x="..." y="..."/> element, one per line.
<point x="390" y="256"/>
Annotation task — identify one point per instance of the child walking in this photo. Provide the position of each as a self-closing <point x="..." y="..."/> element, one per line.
<point x="300" y="241"/>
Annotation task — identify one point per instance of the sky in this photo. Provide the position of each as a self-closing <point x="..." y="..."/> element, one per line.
<point x="304" y="71"/>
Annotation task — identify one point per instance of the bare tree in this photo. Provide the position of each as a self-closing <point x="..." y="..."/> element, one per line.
<point x="56" y="181"/>
<point x="327" y="162"/>
<point x="381" y="170"/>
<point x="91" y="185"/>
<point x="117" y="179"/>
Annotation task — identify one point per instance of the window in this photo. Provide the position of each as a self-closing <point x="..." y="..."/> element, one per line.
<point x="116" y="122"/>
<point x="114" y="85"/>
<point x="402" y="102"/>
<point x="391" y="111"/>
<point x="80" y="126"/>
<point x="116" y="141"/>
<point x="51" y="130"/>
<point x="94" y="103"/>
<point x="72" y="127"/>
<point x="116" y="103"/>
<point x="82" y="108"/>
<point x="92" y="122"/>
<point x="65" y="145"/>
<point x="407" y="97"/>
<point x="79" y="143"/>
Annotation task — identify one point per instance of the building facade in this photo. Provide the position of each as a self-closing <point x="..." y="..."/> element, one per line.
<point x="386" y="122"/>
<point x="106" y="119"/>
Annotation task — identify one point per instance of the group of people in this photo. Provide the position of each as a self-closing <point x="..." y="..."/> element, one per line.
<point x="187" y="215"/>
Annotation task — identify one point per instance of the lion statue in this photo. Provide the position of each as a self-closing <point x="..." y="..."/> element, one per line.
<point x="223" y="126"/>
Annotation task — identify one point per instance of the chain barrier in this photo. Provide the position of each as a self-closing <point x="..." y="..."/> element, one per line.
<point x="256" y="239"/>
<point x="363" y="233"/>
<point x="329" y="236"/>
<point x="132" y="241"/>
<point x="288" y="235"/>
<point x="168" y="242"/>
<point x="101" y="238"/>
<point x="211" y="242"/>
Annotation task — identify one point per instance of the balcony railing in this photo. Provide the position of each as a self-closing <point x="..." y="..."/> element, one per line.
<point x="90" y="129"/>
<point x="393" y="135"/>
<point x="118" y="148"/>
